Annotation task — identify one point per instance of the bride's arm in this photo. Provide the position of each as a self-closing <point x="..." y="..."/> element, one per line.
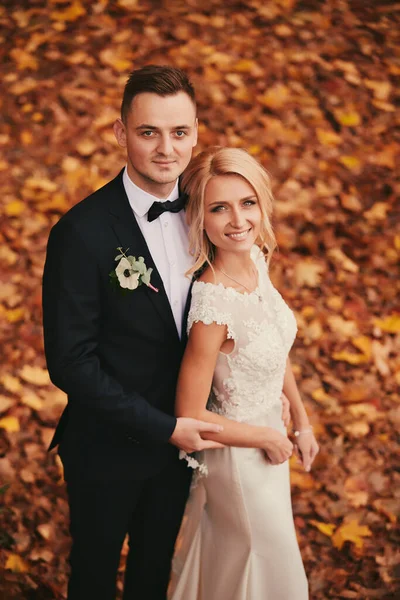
<point x="305" y="441"/>
<point x="194" y="384"/>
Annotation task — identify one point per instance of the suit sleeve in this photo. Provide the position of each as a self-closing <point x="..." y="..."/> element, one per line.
<point x="71" y="320"/>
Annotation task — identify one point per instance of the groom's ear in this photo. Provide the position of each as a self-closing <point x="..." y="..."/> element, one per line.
<point x="120" y="132"/>
<point x="196" y="132"/>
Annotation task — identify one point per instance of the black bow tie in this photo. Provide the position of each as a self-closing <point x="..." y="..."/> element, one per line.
<point x="157" y="208"/>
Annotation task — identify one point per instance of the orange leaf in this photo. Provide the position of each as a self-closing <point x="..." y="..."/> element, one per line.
<point x="16" y="564"/>
<point x="73" y="12"/>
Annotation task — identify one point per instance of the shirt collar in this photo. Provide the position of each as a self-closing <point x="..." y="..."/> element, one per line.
<point x="140" y="200"/>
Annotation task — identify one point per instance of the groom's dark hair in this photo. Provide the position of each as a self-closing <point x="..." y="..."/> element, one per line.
<point x="156" y="79"/>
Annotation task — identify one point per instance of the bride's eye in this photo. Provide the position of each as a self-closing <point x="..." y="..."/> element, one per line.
<point x="217" y="208"/>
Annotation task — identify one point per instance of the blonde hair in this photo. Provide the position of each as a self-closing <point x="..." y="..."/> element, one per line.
<point x="212" y="162"/>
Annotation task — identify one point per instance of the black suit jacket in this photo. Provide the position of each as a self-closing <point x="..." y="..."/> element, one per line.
<point x="116" y="355"/>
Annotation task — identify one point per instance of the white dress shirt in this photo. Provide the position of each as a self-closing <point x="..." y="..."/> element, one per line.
<point x="167" y="240"/>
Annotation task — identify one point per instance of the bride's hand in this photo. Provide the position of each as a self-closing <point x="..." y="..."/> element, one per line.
<point x="277" y="446"/>
<point x="306" y="449"/>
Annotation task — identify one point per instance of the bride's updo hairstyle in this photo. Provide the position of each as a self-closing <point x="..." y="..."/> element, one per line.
<point x="212" y="162"/>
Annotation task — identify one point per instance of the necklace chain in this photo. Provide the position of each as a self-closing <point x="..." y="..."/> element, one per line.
<point x="236" y="281"/>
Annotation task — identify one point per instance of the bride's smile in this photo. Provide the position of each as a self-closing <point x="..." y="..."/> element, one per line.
<point x="232" y="214"/>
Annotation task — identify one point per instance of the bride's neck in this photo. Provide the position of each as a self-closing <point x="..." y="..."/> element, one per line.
<point x="233" y="262"/>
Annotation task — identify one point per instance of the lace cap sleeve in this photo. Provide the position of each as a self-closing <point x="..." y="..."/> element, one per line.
<point x="210" y="304"/>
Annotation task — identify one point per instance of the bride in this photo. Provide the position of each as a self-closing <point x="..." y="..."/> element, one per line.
<point x="238" y="540"/>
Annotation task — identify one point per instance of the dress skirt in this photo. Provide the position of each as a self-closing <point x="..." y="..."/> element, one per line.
<point x="237" y="540"/>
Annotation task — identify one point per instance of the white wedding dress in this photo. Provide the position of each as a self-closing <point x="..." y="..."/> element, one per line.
<point x="237" y="540"/>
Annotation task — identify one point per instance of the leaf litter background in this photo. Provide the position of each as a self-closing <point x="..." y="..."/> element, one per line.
<point x="309" y="88"/>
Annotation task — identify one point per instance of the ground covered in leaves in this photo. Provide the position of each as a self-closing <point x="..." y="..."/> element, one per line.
<point x="309" y="88"/>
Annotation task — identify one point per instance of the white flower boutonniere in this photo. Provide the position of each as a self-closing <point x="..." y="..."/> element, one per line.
<point x="130" y="272"/>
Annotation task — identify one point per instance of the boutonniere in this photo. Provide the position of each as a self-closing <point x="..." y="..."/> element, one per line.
<point x="131" y="272"/>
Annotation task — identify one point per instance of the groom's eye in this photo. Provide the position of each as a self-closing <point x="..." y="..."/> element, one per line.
<point x="180" y="133"/>
<point x="147" y="133"/>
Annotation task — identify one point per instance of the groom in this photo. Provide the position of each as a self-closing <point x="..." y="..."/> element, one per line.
<point x="117" y="355"/>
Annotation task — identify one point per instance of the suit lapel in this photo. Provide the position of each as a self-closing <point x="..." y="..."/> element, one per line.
<point x="130" y="237"/>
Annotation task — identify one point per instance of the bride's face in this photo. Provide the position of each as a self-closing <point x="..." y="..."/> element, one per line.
<point x="232" y="214"/>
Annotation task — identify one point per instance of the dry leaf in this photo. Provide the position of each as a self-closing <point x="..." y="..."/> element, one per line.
<point x="10" y="424"/>
<point x="308" y="273"/>
<point x="35" y="375"/>
<point x="16" y="564"/>
<point x="350" y="532"/>
<point x="325" y="528"/>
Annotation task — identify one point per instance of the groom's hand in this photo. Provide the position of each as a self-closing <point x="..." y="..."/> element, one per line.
<point x="187" y="435"/>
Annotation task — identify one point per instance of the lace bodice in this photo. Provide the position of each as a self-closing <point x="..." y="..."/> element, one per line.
<point x="248" y="381"/>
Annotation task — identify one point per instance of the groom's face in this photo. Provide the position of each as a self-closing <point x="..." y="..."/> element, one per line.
<point x="159" y="135"/>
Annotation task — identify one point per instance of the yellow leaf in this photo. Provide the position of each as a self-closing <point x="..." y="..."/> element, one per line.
<point x="254" y="150"/>
<point x="23" y="59"/>
<point x="12" y="384"/>
<point x="14" y="314"/>
<point x="350" y="162"/>
<point x="328" y="138"/>
<point x="363" y="343"/>
<point x="246" y="66"/>
<point x="390" y="324"/>
<point x="34" y="375"/>
<point x="325" y="528"/>
<point x="377" y="212"/>
<point x="71" y="13"/>
<point x="14" y="208"/>
<point x="16" y="564"/>
<point x="348" y="118"/>
<point x="350" y="532"/>
<point x="350" y="357"/>
<point x="10" y="424"/>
